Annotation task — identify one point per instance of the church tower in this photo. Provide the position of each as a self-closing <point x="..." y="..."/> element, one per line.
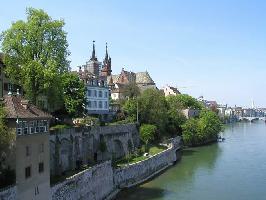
<point x="93" y="65"/>
<point x="107" y="66"/>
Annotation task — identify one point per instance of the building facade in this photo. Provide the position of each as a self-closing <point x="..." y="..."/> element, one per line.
<point x="119" y="82"/>
<point x="169" y="90"/>
<point x="30" y="160"/>
<point x="94" y="75"/>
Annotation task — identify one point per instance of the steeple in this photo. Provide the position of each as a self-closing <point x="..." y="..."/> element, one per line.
<point x="106" y="53"/>
<point x="93" y="56"/>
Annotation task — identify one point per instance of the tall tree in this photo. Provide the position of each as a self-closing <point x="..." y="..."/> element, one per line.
<point x="153" y="109"/>
<point x="36" y="52"/>
<point x="74" y="94"/>
<point x="131" y="90"/>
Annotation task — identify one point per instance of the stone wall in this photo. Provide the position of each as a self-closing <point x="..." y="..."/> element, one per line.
<point x="137" y="173"/>
<point x="68" y="146"/>
<point x="9" y="193"/>
<point x="93" y="184"/>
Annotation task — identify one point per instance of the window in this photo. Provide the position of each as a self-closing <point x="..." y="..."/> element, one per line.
<point x="105" y="104"/>
<point x="100" y="104"/>
<point x="100" y="93"/>
<point x="106" y="94"/>
<point x="27" y="172"/>
<point x="19" y="128"/>
<point x="95" y="93"/>
<point x="25" y="128"/>
<point x="45" y="124"/>
<point x="41" y="148"/>
<point x="89" y="104"/>
<point x="41" y="167"/>
<point x="89" y="93"/>
<point x="36" y="124"/>
<point x="27" y="150"/>
<point x="95" y="104"/>
<point x="31" y="127"/>
<point x="42" y="127"/>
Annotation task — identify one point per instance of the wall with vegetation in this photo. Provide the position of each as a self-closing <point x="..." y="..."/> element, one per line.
<point x="139" y="172"/>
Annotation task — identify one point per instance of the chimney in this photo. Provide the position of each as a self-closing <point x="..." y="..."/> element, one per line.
<point x="25" y="103"/>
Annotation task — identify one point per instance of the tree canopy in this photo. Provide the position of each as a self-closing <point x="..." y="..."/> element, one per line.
<point x="147" y="133"/>
<point x="183" y="101"/>
<point x="36" y="52"/>
<point x="202" y="130"/>
<point x="74" y="94"/>
<point x="131" y="90"/>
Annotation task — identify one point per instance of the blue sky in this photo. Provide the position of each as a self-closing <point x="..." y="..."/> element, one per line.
<point x="210" y="48"/>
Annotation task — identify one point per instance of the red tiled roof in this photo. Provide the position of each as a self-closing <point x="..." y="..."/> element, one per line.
<point x="15" y="109"/>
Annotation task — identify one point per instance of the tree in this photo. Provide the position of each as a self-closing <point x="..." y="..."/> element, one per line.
<point x="203" y="130"/>
<point x="130" y="110"/>
<point x="131" y="90"/>
<point x="6" y="135"/>
<point x="36" y="55"/>
<point x="153" y="109"/>
<point x="184" y="101"/>
<point x="147" y="133"/>
<point x="73" y="94"/>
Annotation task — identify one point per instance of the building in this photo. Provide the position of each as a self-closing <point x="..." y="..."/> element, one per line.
<point x="191" y="112"/>
<point x="30" y="160"/>
<point x="95" y="78"/>
<point x="169" y="90"/>
<point x="119" y="82"/>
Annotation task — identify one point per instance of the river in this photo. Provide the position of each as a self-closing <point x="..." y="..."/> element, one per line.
<point x="231" y="170"/>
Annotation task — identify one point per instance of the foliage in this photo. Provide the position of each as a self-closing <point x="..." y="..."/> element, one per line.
<point x="147" y="133"/>
<point x="60" y="126"/>
<point x="183" y="101"/>
<point x="90" y="121"/>
<point x="36" y="55"/>
<point x="153" y="109"/>
<point x="130" y="109"/>
<point x="7" y="136"/>
<point x="73" y="94"/>
<point x="131" y="90"/>
<point x="202" y="130"/>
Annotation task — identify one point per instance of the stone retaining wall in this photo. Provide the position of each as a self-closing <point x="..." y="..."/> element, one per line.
<point x="139" y="172"/>
<point x="92" y="184"/>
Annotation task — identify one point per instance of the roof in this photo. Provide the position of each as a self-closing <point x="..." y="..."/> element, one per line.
<point x="175" y="90"/>
<point x="144" y="77"/>
<point x="15" y="109"/>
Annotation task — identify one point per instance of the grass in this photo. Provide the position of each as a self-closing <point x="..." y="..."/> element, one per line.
<point x="60" y="126"/>
<point x="133" y="158"/>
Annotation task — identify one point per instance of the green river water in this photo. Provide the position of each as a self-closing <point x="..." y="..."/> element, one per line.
<point x="234" y="169"/>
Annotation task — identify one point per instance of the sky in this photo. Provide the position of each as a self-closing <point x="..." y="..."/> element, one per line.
<point x="212" y="48"/>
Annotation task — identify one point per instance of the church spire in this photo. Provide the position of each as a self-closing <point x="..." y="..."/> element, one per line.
<point x="106" y="52"/>
<point x="93" y="56"/>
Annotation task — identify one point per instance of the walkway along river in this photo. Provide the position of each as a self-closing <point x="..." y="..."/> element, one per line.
<point x="230" y="170"/>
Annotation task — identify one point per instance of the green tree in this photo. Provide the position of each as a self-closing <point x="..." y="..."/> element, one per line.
<point x="36" y="52"/>
<point x="203" y="130"/>
<point x="153" y="109"/>
<point x="147" y="133"/>
<point x="184" y="101"/>
<point x="74" y="94"/>
<point x="6" y="135"/>
<point x="130" y="110"/>
<point x="131" y="90"/>
<point x="210" y="124"/>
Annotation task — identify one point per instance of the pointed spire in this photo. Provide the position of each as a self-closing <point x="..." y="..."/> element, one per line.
<point x="106" y="52"/>
<point x="93" y="56"/>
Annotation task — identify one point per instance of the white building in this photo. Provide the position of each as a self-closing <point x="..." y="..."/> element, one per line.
<point x="169" y="90"/>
